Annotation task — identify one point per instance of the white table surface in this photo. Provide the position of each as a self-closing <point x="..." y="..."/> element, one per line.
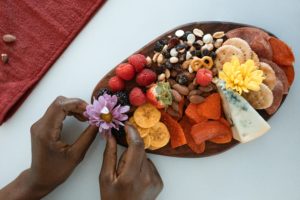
<point x="267" y="168"/>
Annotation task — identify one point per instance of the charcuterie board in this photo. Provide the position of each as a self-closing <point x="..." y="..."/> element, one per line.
<point x="196" y="56"/>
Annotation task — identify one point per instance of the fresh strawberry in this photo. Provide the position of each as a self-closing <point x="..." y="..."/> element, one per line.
<point x="138" y="61"/>
<point x="125" y="71"/>
<point x="137" y="97"/>
<point x="116" y="84"/>
<point x="145" y="77"/>
<point x="160" y="95"/>
<point x="204" y="77"/>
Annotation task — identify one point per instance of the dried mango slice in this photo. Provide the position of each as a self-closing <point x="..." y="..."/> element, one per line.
<point x="142" y="131"/>
<point x="146" y="116"/>
<point x="159" y="135"/>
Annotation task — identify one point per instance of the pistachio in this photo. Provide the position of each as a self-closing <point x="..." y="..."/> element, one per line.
<point x="219" y="34"/>
<point x="4" y="58"/>
<point x="160" y="58"/>
<point x="177" y="97"/>
<point x="167" y="73"/>
<point x="165" y="48"/>
<point x="188" y="55"/>
<point x="155" y="57"/>
<point x="8" y="38"/>
<point x="209" y="47"/>
<point x="190" y="69"/>
<point x="200" y="42"/>
<point x="181" y="89"/>
<point x="207" y="39"/>
<point x="149" y="60"/>
<point x="196" y="99"/>
<point x="161" y="77"/>
<point x="218" y="43"/>
<point x="198" y="32"/>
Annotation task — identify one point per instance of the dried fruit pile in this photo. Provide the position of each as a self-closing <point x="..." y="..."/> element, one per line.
<point x="198" y="87"/>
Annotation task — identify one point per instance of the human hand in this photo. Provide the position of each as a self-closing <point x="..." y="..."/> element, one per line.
<point x="52" y="160"/>
<point x="134" y="177"/>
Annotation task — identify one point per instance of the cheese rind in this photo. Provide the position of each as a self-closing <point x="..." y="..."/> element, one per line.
<point x="246" y="123"/>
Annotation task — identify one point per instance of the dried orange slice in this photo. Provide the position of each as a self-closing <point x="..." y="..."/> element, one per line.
<point x="159" y="135"/>
<point x="146" y="116"/>
<point x="142" y="131"/>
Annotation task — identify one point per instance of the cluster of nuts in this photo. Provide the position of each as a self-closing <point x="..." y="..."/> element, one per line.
<point x="177" y="59"/>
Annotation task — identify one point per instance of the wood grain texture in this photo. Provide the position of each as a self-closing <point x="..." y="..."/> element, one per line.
<point x="183" y="151"/>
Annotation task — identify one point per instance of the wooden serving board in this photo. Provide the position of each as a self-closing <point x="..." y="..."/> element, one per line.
<point x="183" y="151"/>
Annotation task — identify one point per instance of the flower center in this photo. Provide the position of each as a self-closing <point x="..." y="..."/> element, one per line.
<point x="107" y="117"/>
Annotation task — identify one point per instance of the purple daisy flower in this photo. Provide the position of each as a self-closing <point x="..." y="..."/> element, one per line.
<point x="106" y="114"/>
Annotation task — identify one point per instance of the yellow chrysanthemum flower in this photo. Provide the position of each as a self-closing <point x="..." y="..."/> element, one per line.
<point x="241" y="77"/>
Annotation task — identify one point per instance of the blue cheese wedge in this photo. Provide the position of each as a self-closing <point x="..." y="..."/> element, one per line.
<point x="246" y="123"/>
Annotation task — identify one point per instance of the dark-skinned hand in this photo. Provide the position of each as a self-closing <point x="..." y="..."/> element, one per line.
<point x="134" y="177"/>
<point x="52" y="160"/>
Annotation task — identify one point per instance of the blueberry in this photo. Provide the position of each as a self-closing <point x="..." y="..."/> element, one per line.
<point x="198" y="53"/>
<point x="102" y="91"/>
<point x="205" y="52"/>
<point x="161" y="69"/>
<point x="168" y="65"/>
<point x="123" y="98"/>
<point x="158" y="46"/>
<point x="180" y="47"/>
<point x="213" y="55"/>
<point x="193" y="53"/>
<point x="197" y="45"/>
<point x="166" y="54"/>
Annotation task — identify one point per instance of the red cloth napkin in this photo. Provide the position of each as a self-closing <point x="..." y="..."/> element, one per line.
<point x="44" y="29"/>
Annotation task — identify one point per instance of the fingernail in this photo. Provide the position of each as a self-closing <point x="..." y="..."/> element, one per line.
<point x="131" y="131"/>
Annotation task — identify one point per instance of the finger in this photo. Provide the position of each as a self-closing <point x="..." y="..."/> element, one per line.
<point x="108" y="169"/>
<point x="156" y="176"/>
<point x="84" y="141"/>
<point x="135" y="152"/>
<point x="121" y="163"/>
<point x="59" y="109"/>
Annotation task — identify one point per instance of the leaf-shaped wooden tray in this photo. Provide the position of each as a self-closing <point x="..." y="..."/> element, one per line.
<point x="183" y="151"/>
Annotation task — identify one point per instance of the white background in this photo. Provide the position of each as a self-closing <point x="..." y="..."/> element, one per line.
<point x="267" y="168"/>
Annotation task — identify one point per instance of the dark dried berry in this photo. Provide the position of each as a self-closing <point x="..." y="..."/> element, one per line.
<point x="182" y="79"/>
<point x="169" y="65"/>
<point x="198" y="53"/>
<point x="166" y="54"/>
<point x="102" y="91"/>
<point x="193" y="53"/>
<point x="158" y="46"/>
<point x="213" y="55"/>
<point x="184" y="37"/>
<point x="205" y="52"/>
<point x="173" y="42"/>
<point x="197" y="45"/>
<point x="180" y="47"/>
<point x="161" y="69"/>
<point x="122" y="98"/>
